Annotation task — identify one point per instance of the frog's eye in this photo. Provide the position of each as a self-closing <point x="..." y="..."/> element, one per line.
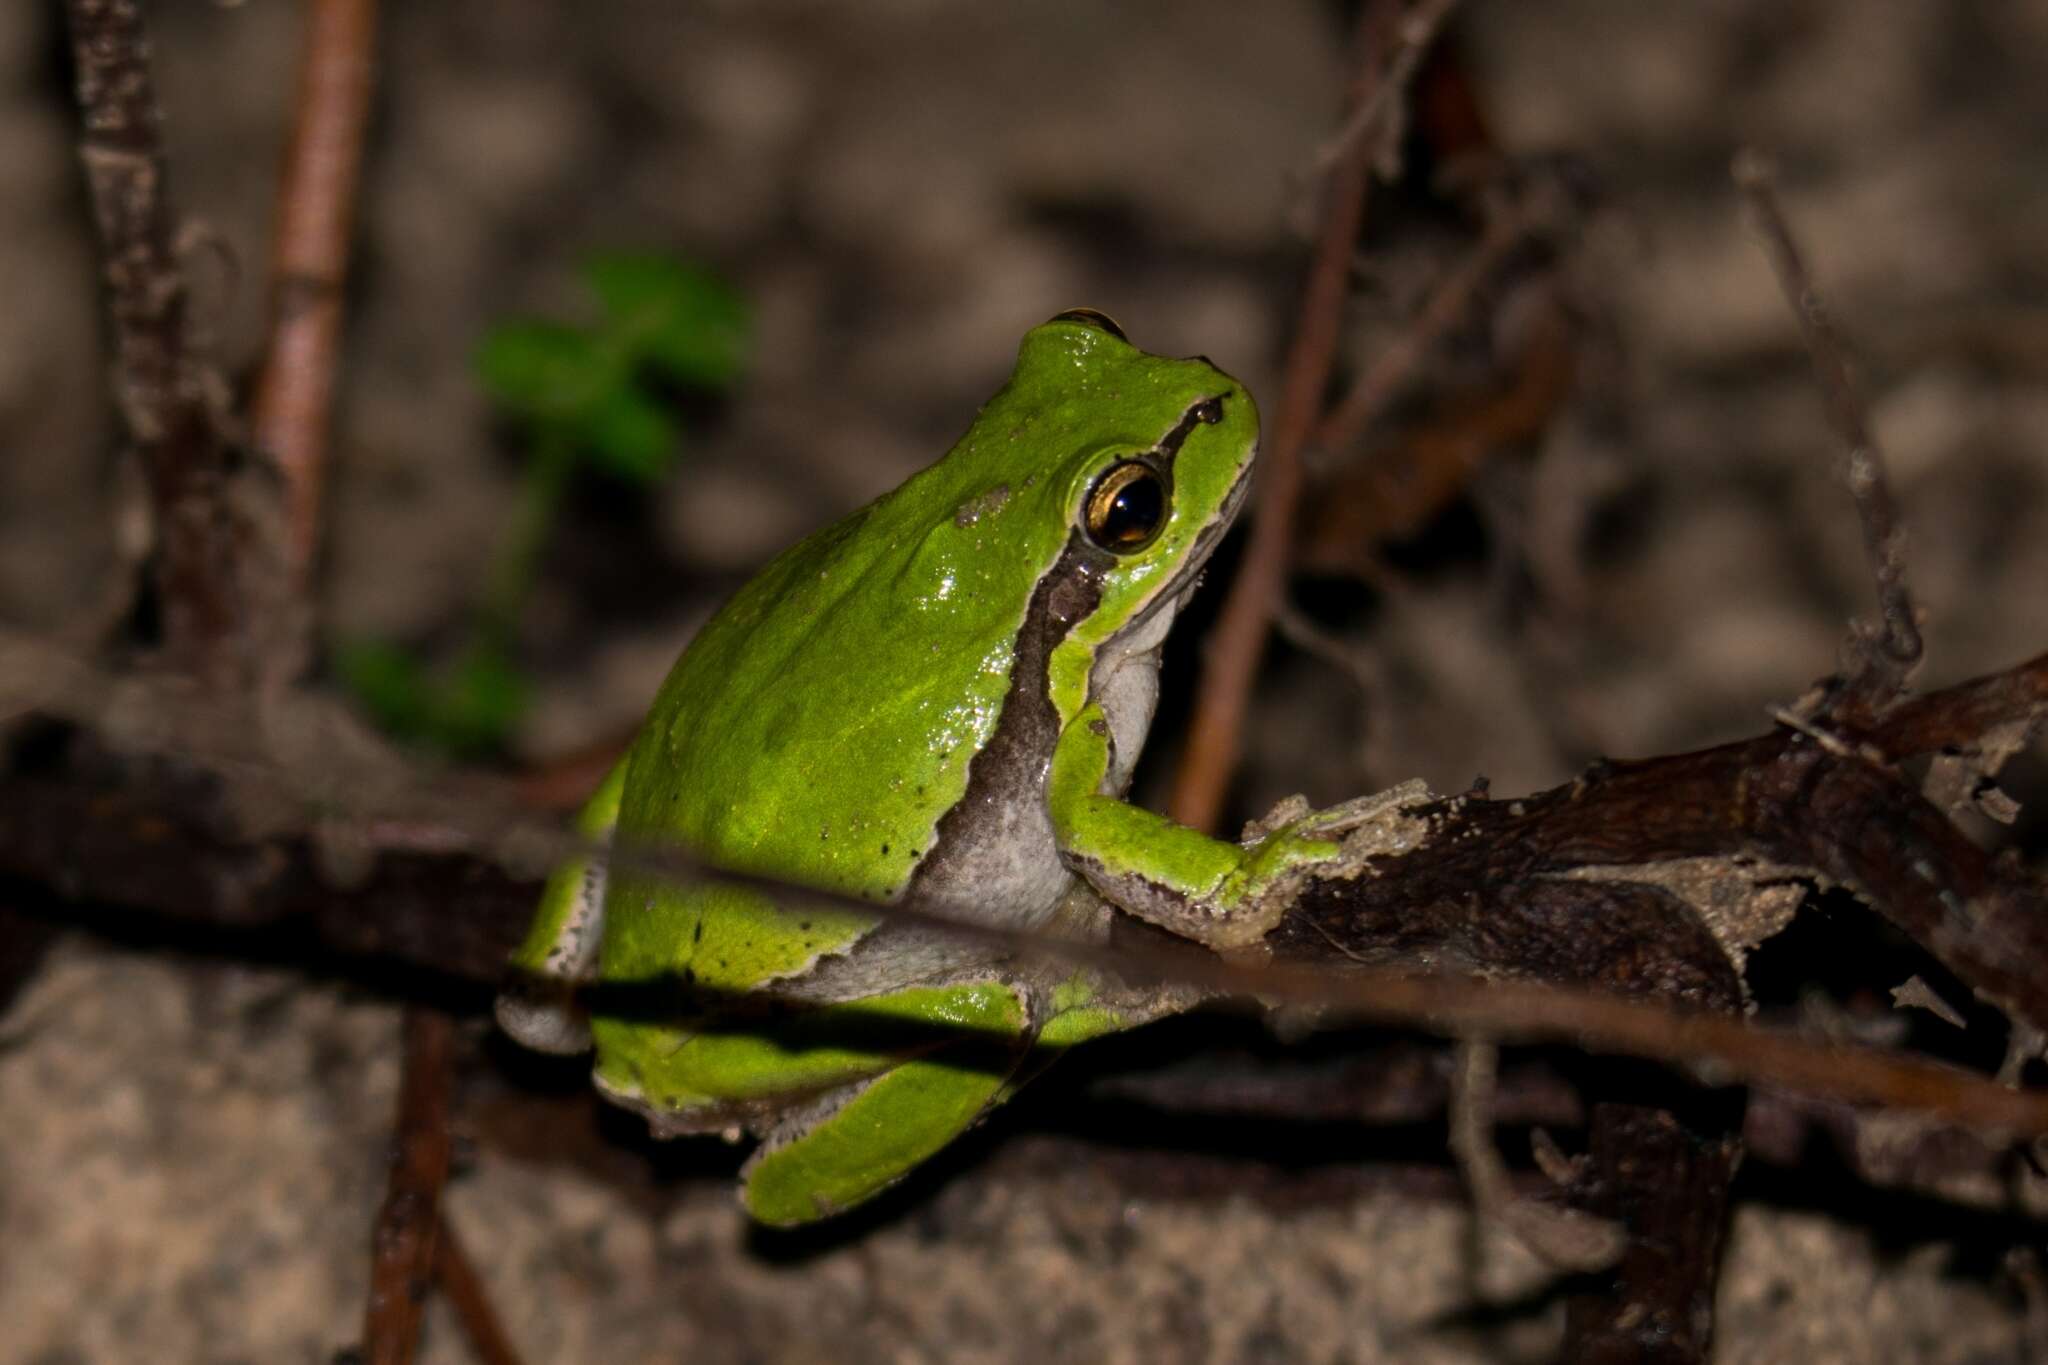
<point x="1126" y="508"/>
<point x="1091" y="317"/>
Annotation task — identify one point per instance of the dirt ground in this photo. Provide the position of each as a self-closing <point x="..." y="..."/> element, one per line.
<point x="195" y="1133"/>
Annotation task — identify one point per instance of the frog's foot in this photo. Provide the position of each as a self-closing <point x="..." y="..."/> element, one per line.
<point x="851" y="1145"/>
<point x="1248" y="888"/>
<point x="1379" y="822"/>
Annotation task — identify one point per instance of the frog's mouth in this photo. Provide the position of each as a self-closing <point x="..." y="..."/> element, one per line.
<point x="1210" y="536"/>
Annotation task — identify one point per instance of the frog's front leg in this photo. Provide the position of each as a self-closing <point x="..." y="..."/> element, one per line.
<point x="1219" y="894"/>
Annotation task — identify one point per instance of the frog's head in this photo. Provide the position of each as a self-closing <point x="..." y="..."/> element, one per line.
<point x="1154" y="460"/>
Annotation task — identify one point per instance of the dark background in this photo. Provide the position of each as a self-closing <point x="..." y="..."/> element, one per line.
<point x="193" y="1147"/>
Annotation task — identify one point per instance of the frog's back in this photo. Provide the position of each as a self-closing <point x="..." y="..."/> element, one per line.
<point x="826" y="717"/>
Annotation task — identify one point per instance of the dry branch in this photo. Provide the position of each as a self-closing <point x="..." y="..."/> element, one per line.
<point x="456" y="1277"/>
<point x="1448" y="305"/>
<point x="1538" y="888"/>
<point x="1881" y="676"/>
<point x="408" y="1225"/>
<point x="288" y="418"/>
<point x="1238" y="642"/>
<point x="169" y="397"/>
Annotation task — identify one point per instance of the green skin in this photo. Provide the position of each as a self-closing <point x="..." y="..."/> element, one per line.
<point x="938" y="699"/>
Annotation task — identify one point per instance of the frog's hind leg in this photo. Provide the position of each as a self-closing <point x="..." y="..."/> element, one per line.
<point x="852" y="1144"/>
<point x="857" y="1142"/>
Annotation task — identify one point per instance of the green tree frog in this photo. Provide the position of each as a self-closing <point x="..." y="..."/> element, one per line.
<point x="938" y="700"/>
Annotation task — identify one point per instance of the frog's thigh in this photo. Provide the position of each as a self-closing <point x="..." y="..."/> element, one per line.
<point x="877" y="1134"/>
<point x="709" y="1062"/>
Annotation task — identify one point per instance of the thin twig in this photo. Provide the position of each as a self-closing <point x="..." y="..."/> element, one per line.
<point x="1418" y="468"/>
<point x="403" y="1257"/>
<point x="1378" y="114"/>
<point x="1339" y="652"/>
<point x="457" y="1278"/>
<point x="1408" y="1082"/>
<point x="167" y="396"/>
<point x="1215" y="730"/>
<point x="289" y="415"/>
<point x="1883" y="539"/>
<point x="1448" y="304"/>
<point x="1566" y="1239"/>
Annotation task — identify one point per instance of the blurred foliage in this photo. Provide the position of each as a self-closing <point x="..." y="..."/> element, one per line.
<point x="467" y="708"/>
<point x="596" y="399"/>
<point x="662" y="319"/>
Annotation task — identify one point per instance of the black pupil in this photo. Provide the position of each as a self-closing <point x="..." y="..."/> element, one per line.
<point x="1134" y="513"/>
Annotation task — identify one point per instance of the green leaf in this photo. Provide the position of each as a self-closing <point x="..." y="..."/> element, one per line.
<point x="544" y="369"/>
<point x="388" y="681"/>
<point x="480" y="704"/>
<point x="632" y="436"/>
<point x="469" y="710"/>
<point x="689" y="324"/>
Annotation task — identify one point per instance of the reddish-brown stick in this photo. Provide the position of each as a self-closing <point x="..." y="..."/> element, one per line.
<point x="289" y="416"/>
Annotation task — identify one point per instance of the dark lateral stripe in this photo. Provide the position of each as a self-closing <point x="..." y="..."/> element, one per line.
<point x="1170" y="444"/>
<point x="1011" y="763"/>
